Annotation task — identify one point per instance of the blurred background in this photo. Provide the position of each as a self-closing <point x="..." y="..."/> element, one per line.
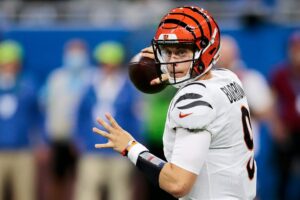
<point x="63" y="63"/>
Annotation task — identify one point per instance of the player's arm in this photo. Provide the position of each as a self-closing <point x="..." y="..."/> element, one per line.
<point x="189" y="153"/>
<point x="168" y="176"/>
<point x="176" y="180"/>
<point x="177" y="177"/>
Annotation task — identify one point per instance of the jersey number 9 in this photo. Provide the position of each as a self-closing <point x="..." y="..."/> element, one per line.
<point x="248" y="138"/>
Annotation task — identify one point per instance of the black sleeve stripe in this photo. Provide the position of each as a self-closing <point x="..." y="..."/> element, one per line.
<point x="194" y="104"/>
<point x="187" y="96"/>
<point x="194" y="83"/>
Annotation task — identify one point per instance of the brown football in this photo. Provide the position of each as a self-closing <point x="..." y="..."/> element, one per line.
<point x="141" y="71"/>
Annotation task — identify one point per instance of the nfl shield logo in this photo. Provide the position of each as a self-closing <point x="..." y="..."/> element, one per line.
<point x="167" y="37"/>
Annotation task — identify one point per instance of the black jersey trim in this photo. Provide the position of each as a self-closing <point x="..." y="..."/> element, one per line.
<point x="194" y="83"/>
<point x="194" y="104"/>
<point x="187" y="96"/>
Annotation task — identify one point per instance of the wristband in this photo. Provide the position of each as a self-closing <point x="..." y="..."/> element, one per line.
<point x="135" y="151"/>
<point x="130" y="144"/>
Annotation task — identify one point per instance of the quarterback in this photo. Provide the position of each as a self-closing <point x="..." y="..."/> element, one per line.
<point x="207" y="138"/>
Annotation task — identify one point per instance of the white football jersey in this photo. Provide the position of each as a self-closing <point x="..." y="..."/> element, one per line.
<point x="217" y="106"/>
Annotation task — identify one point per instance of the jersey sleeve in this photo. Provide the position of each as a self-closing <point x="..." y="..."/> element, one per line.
<point x="193" y="108"/>
<point x="190" y="150"/>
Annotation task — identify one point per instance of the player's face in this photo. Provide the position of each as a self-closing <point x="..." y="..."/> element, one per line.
<point x="177" y="55"/>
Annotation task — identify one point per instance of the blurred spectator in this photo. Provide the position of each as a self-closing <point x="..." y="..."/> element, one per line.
<point x="110" y="91"/>
<point x="257" y="90"/>
<point x="61" y="97"/>
<point x="286" y="86"/>
<point x="18" y="123"/>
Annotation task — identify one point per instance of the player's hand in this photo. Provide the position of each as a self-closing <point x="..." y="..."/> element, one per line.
<point x="117" y="137"/>
<point x="148" y="52"/>
<point x="164" y="77"/>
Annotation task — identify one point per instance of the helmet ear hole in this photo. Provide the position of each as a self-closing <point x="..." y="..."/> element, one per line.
<point x="198" y="68"/>
<point x="201" y="67"/>
<point x="204" y="42"/>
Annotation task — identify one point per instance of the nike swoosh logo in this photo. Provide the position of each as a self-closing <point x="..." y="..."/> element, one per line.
<point x="181" y="115"/>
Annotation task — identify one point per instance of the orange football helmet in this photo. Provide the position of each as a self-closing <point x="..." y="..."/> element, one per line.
<point x="189" y="25"/>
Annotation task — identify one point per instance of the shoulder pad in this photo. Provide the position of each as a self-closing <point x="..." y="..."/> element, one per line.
<point x="193" y="107"/>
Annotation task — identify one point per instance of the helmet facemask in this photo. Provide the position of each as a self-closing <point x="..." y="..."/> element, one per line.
<point x="195" y="68"/>
<point x="194" y="27"/>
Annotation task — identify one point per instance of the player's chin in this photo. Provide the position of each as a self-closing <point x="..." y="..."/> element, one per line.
<point x="177" y="74"/>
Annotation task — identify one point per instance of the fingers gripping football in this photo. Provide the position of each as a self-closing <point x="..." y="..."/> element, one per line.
<point x="156" y="81"/>
<point x="117" y="137"/>
<point x="147" y="52"/>
<point x="145" y="72"/>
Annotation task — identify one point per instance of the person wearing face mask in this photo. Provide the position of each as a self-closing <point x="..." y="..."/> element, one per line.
<point x="285" y="83"/>
<point x="111" y="90"/>
<point x="60" y="98"/>
<point x="18" y="123"/>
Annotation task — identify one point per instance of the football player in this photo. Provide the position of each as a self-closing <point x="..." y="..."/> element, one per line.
<point x="207" y="138"/>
